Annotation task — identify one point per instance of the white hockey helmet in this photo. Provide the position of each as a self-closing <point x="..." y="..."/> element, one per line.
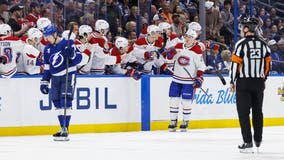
<point x="42" y="23"/>
<point x="121" y="42"/>
<point x="34" y="33"/>
<point x="194" y="26"/>
<point x="153" y="28"/>
<point x="65" y="35"/>
<point x="101" y="26"/>
<point x="164" y="26"/>
<point x="5" y="29"/>
<point x="85" y="29"/>
<point x="191" y="33"/>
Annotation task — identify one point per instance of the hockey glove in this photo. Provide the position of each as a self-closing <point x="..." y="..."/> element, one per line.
<point x="198" y="82"/>
<point x="134" y="74"/>
<point x="3" y="60"/>
<point x="169" y="53"/>
<point x="150" y="56"/>
<point x="44" y="87"/>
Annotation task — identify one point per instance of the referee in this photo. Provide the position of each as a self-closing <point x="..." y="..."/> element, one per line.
<point x="249" y="70"/>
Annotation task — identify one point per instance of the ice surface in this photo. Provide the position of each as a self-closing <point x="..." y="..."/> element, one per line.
<point x="201" y="144"/>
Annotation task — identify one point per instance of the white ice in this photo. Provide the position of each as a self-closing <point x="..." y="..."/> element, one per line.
<point x="201" y="144"/>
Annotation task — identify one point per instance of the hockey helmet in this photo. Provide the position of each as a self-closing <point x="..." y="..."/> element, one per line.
<point x="153" y="28"/>
<point x="194" y="26"/>
<point x="85" y="29"/>
<point x="50" y="30"/>
<point x="101" y="26"/>
<point x="65" y="35"/>
<point x="121" y="42"/>
<point x="34" y="33"/>
<point x="42" y="23"/>
<point x="5" y="29"/>
<point x="251" y="23"/>
<point x="191" y="33"/>
<point x="164" y="26"/>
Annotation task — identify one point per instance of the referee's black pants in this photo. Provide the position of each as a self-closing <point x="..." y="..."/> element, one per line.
<point x="249" y="94"/>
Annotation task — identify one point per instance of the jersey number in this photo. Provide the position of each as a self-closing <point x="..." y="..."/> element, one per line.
<point x="255" y="53"/>
<point x="7" y="51"/>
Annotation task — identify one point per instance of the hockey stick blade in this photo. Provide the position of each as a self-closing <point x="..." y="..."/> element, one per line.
<point x="221" y="77"/>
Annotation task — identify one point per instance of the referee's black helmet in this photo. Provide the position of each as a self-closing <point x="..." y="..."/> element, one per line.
<point x="251" y="23"/>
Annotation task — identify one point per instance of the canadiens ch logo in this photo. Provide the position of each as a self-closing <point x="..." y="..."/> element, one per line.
<point x="56" y="59"/>
<point x="281" y="92"/>
<point x="183" y="60"/>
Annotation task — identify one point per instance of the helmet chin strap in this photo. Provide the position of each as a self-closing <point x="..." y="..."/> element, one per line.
<point x="55" y="39"/>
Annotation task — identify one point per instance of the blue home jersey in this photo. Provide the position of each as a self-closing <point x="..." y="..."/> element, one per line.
<point x="55" y="58"/>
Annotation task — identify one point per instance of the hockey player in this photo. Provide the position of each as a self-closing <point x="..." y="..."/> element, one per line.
<point x="169" y="41"/>
<point x="32" y="56"/>
<point x="123" y="51"/>
<point x="10" y="48"/>
<point x="187" y="76"/>
<point x="41" y="24"/>
<point x="146" y="50"/>
<point x="86" y="50"/>
<point x="99" y="55"/>
<point x="60" y="57"/>
<point x="101" y="29"/>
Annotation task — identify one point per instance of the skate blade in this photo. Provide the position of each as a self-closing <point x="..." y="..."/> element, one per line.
<point x="247" y="150"/>
<point x="257" y="150"/>
<point x="61" y="139"/>
<point x="183" y="130"/>
<point x="172" y="130"/>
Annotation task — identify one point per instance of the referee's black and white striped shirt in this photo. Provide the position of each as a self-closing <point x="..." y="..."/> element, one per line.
<point x="251" y="59"/>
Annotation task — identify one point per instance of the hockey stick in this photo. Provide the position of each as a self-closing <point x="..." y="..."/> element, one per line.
<point x="193" y="78"/>
<point x="218" y="73"/>
<point x="66" y="79"/>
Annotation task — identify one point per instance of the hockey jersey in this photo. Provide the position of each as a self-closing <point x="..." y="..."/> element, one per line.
<point x="141" y="46"/>
<point x="55" y="59"/>
<point x="10" y="48"/>
<point x="190" y="60"/>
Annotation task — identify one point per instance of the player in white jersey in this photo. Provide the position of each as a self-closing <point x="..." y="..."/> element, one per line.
<point x="41" y="24"/>
<point x="10" y="48"/>
<point x="169" y="41"/>
<point x="122" y="51"/>
<point x="32" y="56"/>
<point x="146" y="50"/>
<point x="188" y="70"/>
<point x="98" y="58"/>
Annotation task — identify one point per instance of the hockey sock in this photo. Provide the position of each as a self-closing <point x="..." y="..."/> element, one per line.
<point x="186" y="110"/>
<point x="61" y="120"/>
<point x="67" y="122"/>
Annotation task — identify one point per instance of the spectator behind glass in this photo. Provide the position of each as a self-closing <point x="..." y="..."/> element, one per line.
<point x="213" y="21"/>
<point x="277" y="66"/>
<point x="34" y="13"/>
<point x="113" y="17"/>
<point x="4" y="15"/>
<point x="133" y="14"/>
<point x="263" y="14"/>
<point x="18" y="25"/>
<point x="166" y="12"/>
<point x="228" y="20"/>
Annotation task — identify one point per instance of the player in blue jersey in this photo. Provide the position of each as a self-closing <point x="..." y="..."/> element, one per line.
<point x="60" y="57"/>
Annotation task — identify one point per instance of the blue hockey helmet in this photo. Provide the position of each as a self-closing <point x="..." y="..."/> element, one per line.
<point x="50" y="30"/>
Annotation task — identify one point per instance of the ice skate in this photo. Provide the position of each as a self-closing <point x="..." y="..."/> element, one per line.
<point x="183" y="126"/>
<point x="61" y="136"/>
<point x="257" y="145"/>
<point x="173" y="126"/>
<point x="246" y="148"/>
